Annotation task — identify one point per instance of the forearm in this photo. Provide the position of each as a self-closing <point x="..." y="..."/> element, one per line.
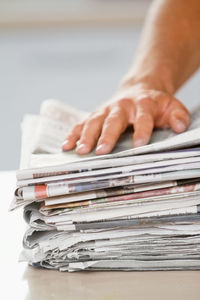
<point x="168" y="55"/>
<point x="169" y="52"/>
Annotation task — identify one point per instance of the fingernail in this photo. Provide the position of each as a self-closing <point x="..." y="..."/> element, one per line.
<point x="82" y="149"/>
<point x="180" y="126"/>
<point x="65" y="145"/>
<point x="139" y="143"/>
<point x="103" y="149"/>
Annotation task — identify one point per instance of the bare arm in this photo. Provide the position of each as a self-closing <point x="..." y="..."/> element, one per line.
<point x="168" y="55"/>
<point x="169" y="51"/>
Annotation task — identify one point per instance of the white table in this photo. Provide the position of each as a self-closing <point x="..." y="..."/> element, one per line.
<point x="18" y="281"/>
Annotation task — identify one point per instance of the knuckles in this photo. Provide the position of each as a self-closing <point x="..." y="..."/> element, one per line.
<point x="123" y="102"/>
<point x="97" y="115"/>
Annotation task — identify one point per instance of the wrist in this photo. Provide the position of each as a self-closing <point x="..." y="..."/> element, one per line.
<point x="159" y="79"/>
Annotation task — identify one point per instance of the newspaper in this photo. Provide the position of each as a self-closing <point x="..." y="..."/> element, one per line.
<point x="122" y="198"/>
<point x="134" y="209"/>
<point x="166" y="249"/>
<point x="114" y="210"/>
<point x="52" y="129"/>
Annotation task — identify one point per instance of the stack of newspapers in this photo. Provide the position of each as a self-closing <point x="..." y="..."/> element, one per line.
<point x="133" y="209"/>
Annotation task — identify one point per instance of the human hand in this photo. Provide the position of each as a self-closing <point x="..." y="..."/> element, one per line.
<point x="136" y="105"/>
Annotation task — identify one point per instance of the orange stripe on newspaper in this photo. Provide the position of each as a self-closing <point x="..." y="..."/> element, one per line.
<point x="41" y="191"/>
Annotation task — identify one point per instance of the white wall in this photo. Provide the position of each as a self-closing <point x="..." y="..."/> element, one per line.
<point x="43" y="12"/>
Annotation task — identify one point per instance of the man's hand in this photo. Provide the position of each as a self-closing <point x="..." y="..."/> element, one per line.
<point x="167" y="56"/>
<point x="136" y="105"/>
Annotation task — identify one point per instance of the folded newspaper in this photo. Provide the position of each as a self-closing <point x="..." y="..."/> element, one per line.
<point x="133" y="209"/>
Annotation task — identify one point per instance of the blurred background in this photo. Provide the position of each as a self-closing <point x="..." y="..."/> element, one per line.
<point x="76" y="51"/>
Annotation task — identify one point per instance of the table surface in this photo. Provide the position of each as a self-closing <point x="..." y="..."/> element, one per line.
<point x="24" y="282"/>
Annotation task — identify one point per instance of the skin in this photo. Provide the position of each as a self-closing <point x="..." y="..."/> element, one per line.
<point x="169" y="53"/>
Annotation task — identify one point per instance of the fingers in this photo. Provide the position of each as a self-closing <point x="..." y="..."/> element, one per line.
<point x="179" y="118"/>
<point x="72" y="138"/>
<point x="106" y="126"/>
<point x="114" y="125"/>
<point x="143" y="127"/>
<point x="86" y="134"/>
<point x="90" y="133"/>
